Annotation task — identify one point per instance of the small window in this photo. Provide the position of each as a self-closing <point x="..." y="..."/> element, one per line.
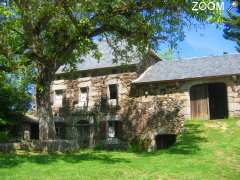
<point x="58" y="98"/>
<point x="59" y="92"/>
<point x="60" y="131"/>
<point x="83" y="97"/>
<point x="111" y="129"/>
<point x="84" y="89"/>
<point x="113" y="91"/>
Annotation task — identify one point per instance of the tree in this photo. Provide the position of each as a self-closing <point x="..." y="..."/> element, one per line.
<point x="14" y="102"/>
<point x="232" y="27"/>
<point x="48" y="34"/>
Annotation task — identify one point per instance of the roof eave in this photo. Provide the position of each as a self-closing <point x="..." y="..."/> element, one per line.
<point x="183" y="79"/>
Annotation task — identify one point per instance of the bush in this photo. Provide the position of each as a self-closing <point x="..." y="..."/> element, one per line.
<point x="138" y="145"/>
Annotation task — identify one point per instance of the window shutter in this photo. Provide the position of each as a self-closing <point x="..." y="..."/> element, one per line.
<point x="103" y="129"/>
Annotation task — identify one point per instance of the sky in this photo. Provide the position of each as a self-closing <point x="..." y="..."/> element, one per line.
<point x="205" y="41"/>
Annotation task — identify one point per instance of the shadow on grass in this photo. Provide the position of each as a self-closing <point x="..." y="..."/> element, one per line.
<point x="12" y="160"/>
<point x="187" y="143"/>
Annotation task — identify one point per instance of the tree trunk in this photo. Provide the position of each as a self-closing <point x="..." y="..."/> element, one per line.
<point x="44" y="109"/>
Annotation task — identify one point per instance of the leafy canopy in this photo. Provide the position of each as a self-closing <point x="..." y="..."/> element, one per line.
<point x="49" y="34"/>
<point x="232" y="27"/>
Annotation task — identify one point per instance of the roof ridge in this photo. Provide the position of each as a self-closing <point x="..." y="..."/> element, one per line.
<point x="199" y="57"/>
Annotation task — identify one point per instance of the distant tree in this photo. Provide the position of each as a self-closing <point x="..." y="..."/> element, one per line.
<point x="232" y="27"/>
<point x="47" y="34"/>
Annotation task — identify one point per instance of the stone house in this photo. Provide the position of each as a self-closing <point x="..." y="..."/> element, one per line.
<point x="88" y="104"/>
<point x="113" y="103"/>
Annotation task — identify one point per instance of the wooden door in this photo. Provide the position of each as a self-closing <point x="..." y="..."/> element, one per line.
<point x="199" y="102"/>
<point x="84" y="135"/>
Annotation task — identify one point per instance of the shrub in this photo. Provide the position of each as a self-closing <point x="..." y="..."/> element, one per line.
<point x="138" y="145"/>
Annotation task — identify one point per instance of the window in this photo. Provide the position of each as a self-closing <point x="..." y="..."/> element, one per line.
<point x="83" y="97"/>
<point x="58" y="98"/>
<point x="113" y="95"/>
<point x="111" y="129"/>
<point x="60" y="131"/>
<point x="113" y="91"/>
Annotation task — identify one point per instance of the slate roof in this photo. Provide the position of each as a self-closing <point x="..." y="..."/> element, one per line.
<point x="105" y="61"/>
<point x="191" y="68"/>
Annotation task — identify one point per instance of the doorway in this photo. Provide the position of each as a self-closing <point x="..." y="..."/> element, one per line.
<point x="218" y="101"/>
<point x="209" y="101"/>
<point x="164" y="141"/>
<point x="34" y="131"/>
<point x="83" y="128"/>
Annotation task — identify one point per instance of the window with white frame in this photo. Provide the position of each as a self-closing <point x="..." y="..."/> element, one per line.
<point x="58" y="98"/>
<point x="83" y="97"/>
<point x="111" y="129"/>
<point x="113" y="94"/>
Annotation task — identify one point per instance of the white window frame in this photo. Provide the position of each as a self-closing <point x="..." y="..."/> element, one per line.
<point x="111" y="130"/>
<point x="58" y="98"/>
<point x="113" y="102"/>
<point x="85" y="103"/>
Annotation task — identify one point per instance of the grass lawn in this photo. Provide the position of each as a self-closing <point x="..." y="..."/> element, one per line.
<point x="206" y="150"/>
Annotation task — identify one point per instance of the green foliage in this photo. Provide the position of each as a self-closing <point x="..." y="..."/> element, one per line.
<point x="138" y="145"/>
<point x="53" y="33"/>
<point x="232" y="28"/>
<point x="14" y="100"/>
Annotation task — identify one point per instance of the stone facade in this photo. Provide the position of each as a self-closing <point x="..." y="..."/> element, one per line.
<point x="71" y="111"/>
<point x="174" y="98"/>
<point x="104" y="106"/>
<point x="135" y="114"/>
<point x="181" y="90"/>
<point x="146" y="117"/>
<point x="142" y="110"/>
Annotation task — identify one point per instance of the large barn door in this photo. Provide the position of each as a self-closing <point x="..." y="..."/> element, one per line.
<point x="199" y="102"/>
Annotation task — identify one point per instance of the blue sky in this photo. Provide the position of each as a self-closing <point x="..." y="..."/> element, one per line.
<point x="205" y="41"/>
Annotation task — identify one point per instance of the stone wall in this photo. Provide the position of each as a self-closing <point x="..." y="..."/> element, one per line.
<point x="156" y="115"/>
<point x="142" y="115"/>
<point x="181" y="90"/>
<point x="98" y="88"/>
<point x="37" y="145"/>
